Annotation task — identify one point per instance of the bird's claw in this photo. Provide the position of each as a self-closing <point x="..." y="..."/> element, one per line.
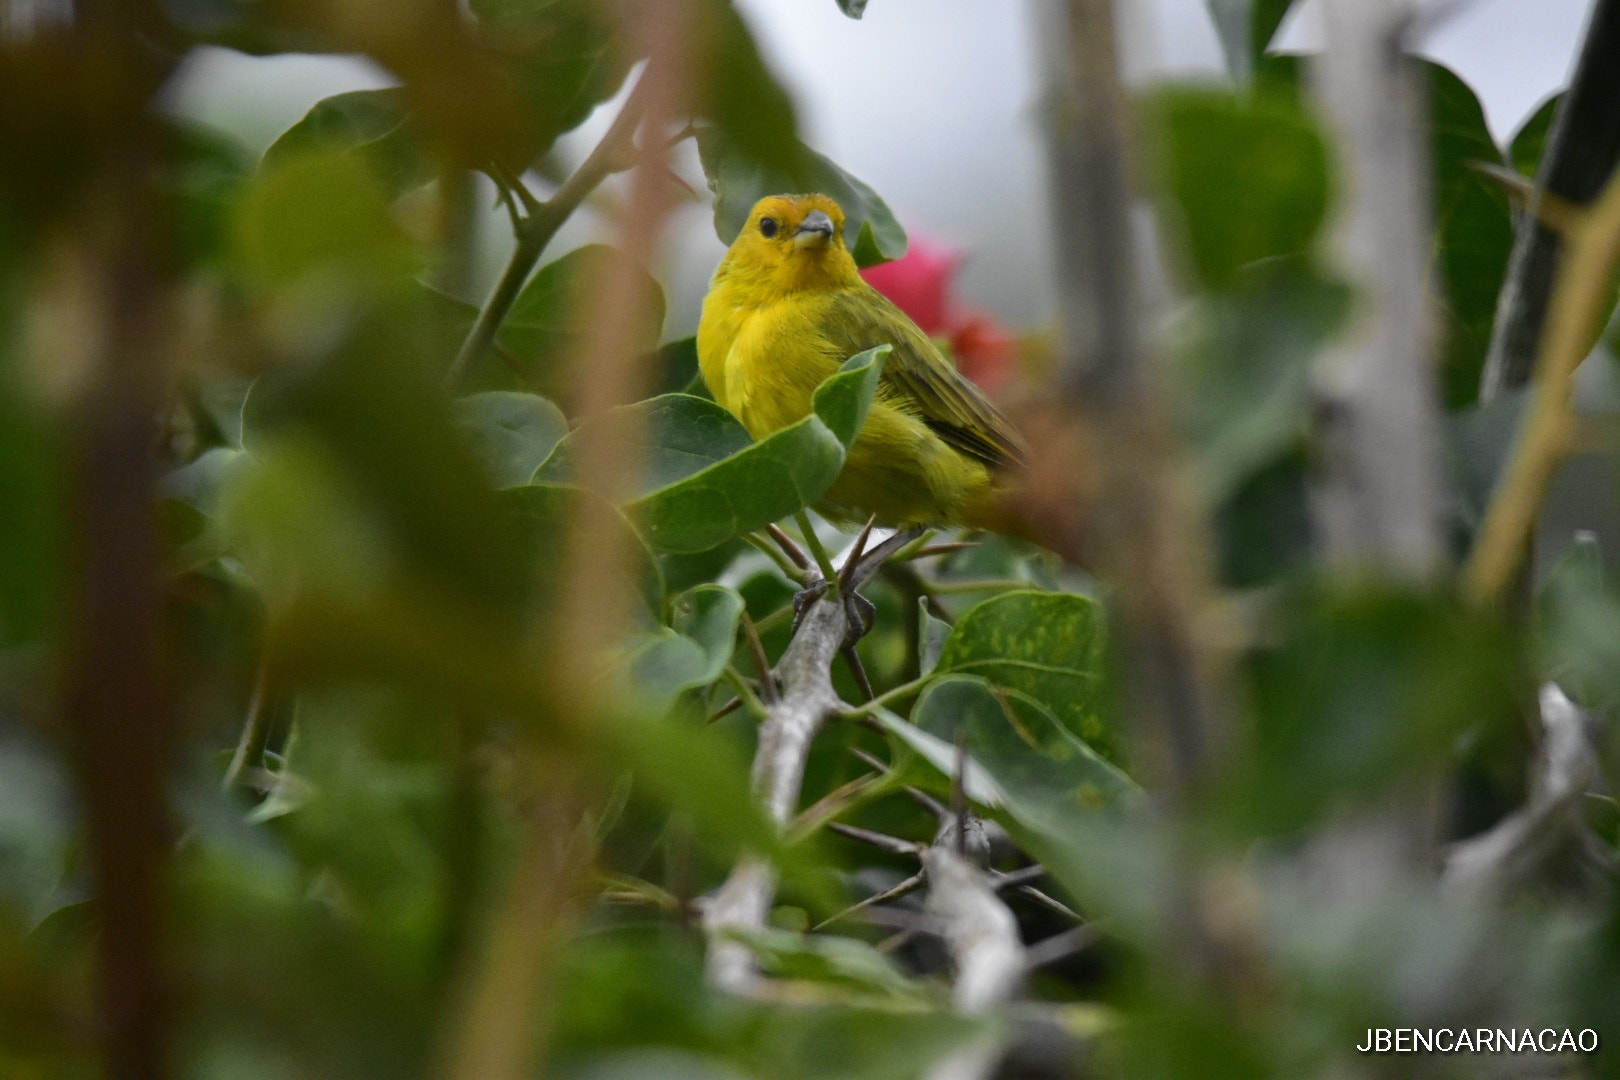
<point x="859" y="612"/>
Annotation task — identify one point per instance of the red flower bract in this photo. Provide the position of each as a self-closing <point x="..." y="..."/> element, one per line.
<point x="921" y="284"/>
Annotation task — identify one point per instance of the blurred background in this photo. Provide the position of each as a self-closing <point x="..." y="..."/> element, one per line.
<point x="891" y="98"/>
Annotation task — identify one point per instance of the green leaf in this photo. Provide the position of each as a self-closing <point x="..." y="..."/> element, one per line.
<point x="548" y="320"/>
<point x="1578" y="626"/>
<point x="513" y="432"/>
<point x="1246" y="28"/>
<point x="1473" y="227"/>
<point x="564" y="57"/>
<point x="1248" y="177"/>
<point x="739" y="181"/>
<point x="371" y="124"/>
<point x="708" y="615"/>
<point x="1244" y="391"/>
<point x="1047" y="777"/>
<point x="704" y="482"/>
<point x="692" y="653"/>
<point x="1049" y="646"/>
<point x="319" y="211"/>
<point x="204" y="174"/>
<point x="853" y="8"/>
<point x="839" y="961"/>
<point x="932" y="634"/>
<point x="738" y="93"/>
<point x="1369" y="688"/>
<point x="1530" y="141"/>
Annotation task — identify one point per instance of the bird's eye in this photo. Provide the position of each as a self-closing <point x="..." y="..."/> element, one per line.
<point x="767" y="227"/>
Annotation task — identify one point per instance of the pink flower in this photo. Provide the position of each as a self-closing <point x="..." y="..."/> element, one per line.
<point x="921" y="284"/>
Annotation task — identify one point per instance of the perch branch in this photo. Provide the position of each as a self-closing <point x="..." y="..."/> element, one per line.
<point x="806" y="700"/>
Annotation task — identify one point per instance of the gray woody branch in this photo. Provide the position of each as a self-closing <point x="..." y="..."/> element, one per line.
<point x="807" y="701"/>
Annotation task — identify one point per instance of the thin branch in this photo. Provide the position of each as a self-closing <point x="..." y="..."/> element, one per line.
<point x="835" y="802"/>
<point x="767" y="681"/>
<point x="852" y="660"/>
<point x="1581" y="292"/>
<point x="819" y="552"/>
<point x="541" y="223"/>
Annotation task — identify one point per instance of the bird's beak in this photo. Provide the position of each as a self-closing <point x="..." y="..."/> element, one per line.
<point x="816" y="228"/>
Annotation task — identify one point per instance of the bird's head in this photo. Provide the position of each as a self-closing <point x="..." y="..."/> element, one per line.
<point x="793" y="242"/>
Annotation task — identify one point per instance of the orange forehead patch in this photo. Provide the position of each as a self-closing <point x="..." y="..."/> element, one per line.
<point x="791" y="209"/>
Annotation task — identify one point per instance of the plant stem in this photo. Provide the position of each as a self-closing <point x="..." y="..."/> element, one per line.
<point x="540" y="225"/>
<point x="791" y="572"/>
<point x="823" y="560"/>
<point x="1580" y="291"/>
<point x="889" y="697"/>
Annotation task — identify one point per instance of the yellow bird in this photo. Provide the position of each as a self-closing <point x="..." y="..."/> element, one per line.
<point x="787" y="306"/>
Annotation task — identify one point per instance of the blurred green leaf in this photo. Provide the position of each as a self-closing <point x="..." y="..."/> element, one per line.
<point x="739" y="181"/>
<point x="853" y="8"/>
<point x="704" y="482"/>
<point x="839" y="961"/>
<point x="1244" y="389"/>
<point x="319" y="211"/>
<point x="1530" y="141"/>
<point x="1249" y="177"/>
<point x="1369" y="687"/>
<point x="513" y="432"/>
<point x="548" y="320"/>
<point x="740" y="96"/>
<point x="1578" y="626"/>
<point x="1049" y="646"/>
<point x="564" y="57"/>
<point x="370" y="124"/>
<point x="932" y="634"/>
<point x="1246" y="28"/>
<point x="206" y="171"/>
<point x="693" y="652"/>
<point x="1474" y="231"/>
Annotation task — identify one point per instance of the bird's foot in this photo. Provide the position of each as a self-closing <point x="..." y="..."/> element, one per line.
<point x="859" y="612"/>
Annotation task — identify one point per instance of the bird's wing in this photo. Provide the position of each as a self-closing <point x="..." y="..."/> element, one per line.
<point x="952" y="406"/>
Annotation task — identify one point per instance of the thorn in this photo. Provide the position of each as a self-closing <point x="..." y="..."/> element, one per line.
<point x="1061" y="946"/>
<point x="725" y="710"/>
<point x="882" y="841"/>
<point x="942" y="549"/>
<point x="911" y="884"/>
<point x="1049" y="902"/>
<point x="767" y="680"/>
<point x="1014" y="878"/>
<point x="873" y="560"/>
<point x="870" y="760"/>
<point x="929" y="803"/>
<point x="855" y="552"/>
<point x="792" y="550"/>
<point x="853" y="660"/>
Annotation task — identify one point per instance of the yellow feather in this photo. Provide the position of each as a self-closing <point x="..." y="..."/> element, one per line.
<point x="787" y="306"/>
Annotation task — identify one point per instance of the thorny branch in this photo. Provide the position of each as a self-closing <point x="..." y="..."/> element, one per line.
<point x="806" y="700"/>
